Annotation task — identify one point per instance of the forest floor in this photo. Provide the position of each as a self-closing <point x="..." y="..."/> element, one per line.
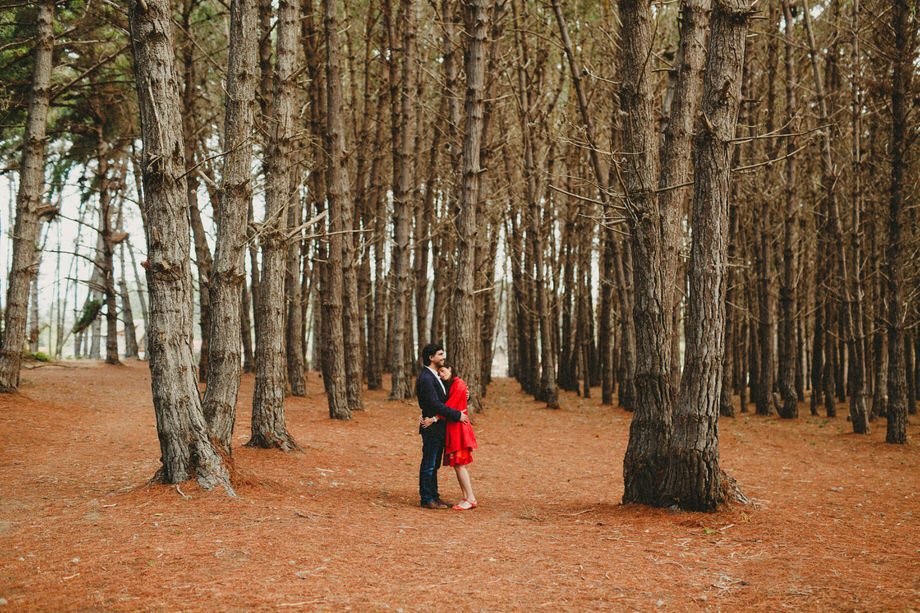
<point x="834" y="523"/>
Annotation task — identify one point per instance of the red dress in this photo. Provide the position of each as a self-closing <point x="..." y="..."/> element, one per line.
<point x="460" y="440"/>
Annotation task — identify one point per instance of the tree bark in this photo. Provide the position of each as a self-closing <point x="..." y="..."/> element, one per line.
<point x="34" y="323"/>
<point x="228" y="275"/>
<point x="402" y="194"/>
<point x="905" y="33"/>
<point x="29" y="211"/>
<point x="645" y="461"/>
<point x="190" y="126"/>
<point x="675" y="156"/>
<point x="186" y="449"/>
<point x="268" y="425"/>
<point x="464" y="329"/>
<point x="789" y="409"/>
<point x="344" y="393"/>
<point x="293" y="295"/>
<point x="694" y="479"/>
<point x="107" y="257"/>
<point x="126" y="310"/>
<point x="377" y="207"/>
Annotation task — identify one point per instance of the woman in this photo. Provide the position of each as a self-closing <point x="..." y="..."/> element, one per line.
<point x="460" y="441"/>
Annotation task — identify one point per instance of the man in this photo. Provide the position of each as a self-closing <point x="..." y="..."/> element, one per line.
<point x="431" y="394"/>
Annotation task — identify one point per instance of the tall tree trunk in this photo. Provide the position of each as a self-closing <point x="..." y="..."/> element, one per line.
<point x="451" y="43"/>
<point x="694" y="479"/>
<point x="424" y="214"/>
<point x="905" y="34"/>
<point x="185" y="447"/>
<point x="789" y="409"/>
<point x="34" y="324"/>
<point x="293" y="295"/>
<point x="107" y="258"/>
<point x="675" y="156"/>
<point x="399" y="378"/>
<point x="268" y="426"/>
<point x="377" y="207"/>
<point x="340" y="187"/>
<point x="732" y="295"/>
<point x="190" y="126"/>
<point x="645" y="461"/>
<point x="342" y="349"/>
<point x="228" y="275"/>
<point x="464" y="329"/>
<point x="29" y="208"/>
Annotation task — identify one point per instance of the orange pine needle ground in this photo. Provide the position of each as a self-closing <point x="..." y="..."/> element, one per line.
<point x="835" y="524"/>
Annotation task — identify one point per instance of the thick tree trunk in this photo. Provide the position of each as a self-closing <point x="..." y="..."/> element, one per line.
<point x="186" y="449"/>
<point x="464" y="332"/>
<point x="645" y="461"/>
<point x="399" y="378"/>
<point x="268" y="426"/>
<point x="342" y="349"/>
<point x="675" y="157"/>
<point x="694" y="479"/>
<point x="29" y="209"/>
<point x="905" y="33"/>
<point x="228" y="275"/>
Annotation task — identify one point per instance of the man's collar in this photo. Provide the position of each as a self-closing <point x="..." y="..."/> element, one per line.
<point x="443" y="389"/>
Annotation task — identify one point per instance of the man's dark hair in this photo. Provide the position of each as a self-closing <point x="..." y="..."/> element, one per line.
<point x="429" y="350"/>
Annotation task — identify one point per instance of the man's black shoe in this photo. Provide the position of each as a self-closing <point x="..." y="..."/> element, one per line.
<point x="435" y="504"/>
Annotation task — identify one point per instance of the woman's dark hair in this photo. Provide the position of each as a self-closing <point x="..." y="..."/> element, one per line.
<point x="453" y="369"/>
<point x="429" y="350"/>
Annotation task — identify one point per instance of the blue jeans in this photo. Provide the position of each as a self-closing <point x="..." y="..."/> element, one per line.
<point x="432" y="449"/>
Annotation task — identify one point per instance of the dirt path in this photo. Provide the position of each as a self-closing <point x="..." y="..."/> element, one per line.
<point x="835" y="525"/>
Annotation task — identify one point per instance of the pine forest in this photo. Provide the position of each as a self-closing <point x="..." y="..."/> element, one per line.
<point x="693" y="209"/>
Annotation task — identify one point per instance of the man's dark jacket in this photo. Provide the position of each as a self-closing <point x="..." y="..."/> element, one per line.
<point x="431" y="398"/>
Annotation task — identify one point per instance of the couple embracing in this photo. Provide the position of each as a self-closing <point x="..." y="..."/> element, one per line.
<point x="447" y="436"/>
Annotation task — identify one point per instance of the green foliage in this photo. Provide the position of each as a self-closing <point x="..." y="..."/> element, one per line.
<point x="90" y="312"/>
<point x="39" y="356"/>
<point x="92" y="83"/>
